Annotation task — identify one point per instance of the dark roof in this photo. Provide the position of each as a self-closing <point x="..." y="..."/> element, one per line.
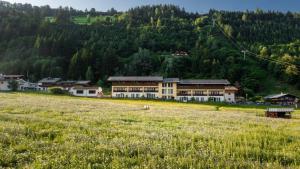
<point x="50" y="80"/>
<point x="275" y="96"/>
<point x="135" y="78"/>
<point x="171" y="80"/>
<point x="206" y="82"/>
<point x="86" y="82"/>
<point x="86" y="88"/>
<point x="3" y="77"/>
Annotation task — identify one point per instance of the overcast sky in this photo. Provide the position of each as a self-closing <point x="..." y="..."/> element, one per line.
<point x="190" y="5"/>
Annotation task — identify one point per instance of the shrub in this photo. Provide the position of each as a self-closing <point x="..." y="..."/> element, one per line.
<point x="57" y="90"/>
<point x="13" y="85"/>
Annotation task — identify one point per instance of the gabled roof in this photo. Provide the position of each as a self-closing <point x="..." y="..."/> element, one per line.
<point x="13" y="76"/>
<point x="50" y="80"/>
<point x="86" y="82"/>
<point x="136" y="78"/>
<point x="171" y="80"/>
<point x="275" y="96"/>
<point x="206" y="82"/>
<point x="86" y="88"/>
<point x="4" y="77"/>
<point x="231" y="88"/>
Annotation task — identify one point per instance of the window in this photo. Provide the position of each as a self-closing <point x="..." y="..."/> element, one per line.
<point x="199" y="93"/>
<point x="170" y="91"/>
<point x="164" y="85"/>
<point x="79" y="91"/>
<point x="170" y="84"/>
<point x="120" y="89"/>
<point x="164" y="91"/>
<point x="92" y="91"/>
<point x="214" y="93"/>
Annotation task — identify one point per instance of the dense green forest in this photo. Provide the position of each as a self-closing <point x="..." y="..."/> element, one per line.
<point x="44" y="42"/>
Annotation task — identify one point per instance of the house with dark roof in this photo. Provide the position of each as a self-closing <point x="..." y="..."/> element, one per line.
<point x="283" y="99"/>
<point x="157" y="87"/>
<point x="6" y="79"/>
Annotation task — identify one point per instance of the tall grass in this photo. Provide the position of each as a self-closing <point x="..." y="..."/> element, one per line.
<point x="45" y="131"/>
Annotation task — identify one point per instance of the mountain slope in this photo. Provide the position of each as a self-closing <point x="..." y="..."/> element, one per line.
<point x="41" y="42"/>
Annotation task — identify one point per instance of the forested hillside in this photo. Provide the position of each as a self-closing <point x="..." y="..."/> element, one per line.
<point x="43" y="42"/>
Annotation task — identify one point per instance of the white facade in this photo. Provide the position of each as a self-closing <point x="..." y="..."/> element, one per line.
<point x="200" y="98"/>
<point x="86" y="92"/>
<point x="148" y="95"/>
<point x="4" y="85"/>
<point x="229" y="97"/>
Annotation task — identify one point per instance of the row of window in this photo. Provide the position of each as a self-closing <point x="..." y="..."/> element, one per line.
<point x="81" y="91"/>
<point x="201" y="99"/>
<point x="167" y="91"/>
<point x="135" y="89"/>
<point x="149" y="96"/>
<point x="167" y="85"/>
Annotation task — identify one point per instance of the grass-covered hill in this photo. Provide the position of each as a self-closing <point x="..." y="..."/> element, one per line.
<point x="44" y="131"/>
<point x="42" y="42"/>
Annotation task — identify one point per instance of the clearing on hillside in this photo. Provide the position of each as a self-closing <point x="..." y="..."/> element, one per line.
<point x="44" y="131"/>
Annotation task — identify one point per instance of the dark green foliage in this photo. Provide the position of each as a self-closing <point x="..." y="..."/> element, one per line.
<point x="89" y="75"/>
<point x="46" y="42"/>
<point x="56" y="90"/>
<point x="13" y="85"/>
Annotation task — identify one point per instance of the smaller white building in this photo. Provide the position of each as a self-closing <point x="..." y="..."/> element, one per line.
<point x="6" y="79"/>
<point x="86" y="91"/>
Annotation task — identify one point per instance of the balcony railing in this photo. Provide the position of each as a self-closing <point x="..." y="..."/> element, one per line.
<point x="151" y="91"/>
<point x="120" y="90"/>
<point x="136" y="91"/>
<point x="200" y="94"/>
<point x="216" y="94"/>
<point x="181" y="94"/>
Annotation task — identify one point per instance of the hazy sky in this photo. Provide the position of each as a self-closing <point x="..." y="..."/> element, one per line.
<point x="190" y="5"/>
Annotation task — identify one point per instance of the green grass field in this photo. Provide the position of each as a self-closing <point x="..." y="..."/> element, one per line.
<point x="45" y="131"/>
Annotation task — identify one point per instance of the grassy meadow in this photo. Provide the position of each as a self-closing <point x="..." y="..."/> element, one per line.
<point x="45" y="131"/>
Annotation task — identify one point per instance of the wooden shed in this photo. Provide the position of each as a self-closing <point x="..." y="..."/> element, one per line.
<point x="279" y="112"/>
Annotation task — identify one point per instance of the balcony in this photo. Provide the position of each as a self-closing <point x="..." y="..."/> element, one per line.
<point x="216" y="94"/>
<point x="135" y="91"/>
<point x="183" y="94"/>
<point x="199" y="94"/>
<point x="151" y="91"/>
<point x="119" y="91"/>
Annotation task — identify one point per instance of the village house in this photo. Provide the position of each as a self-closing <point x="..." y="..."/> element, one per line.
<point x="282" y="99"/>
<point x="48" y="82"/>
<point x="75" y="88"/>
<point x="91" y="91"/>
<point x="157" y="87"/>
<point x="6" y="79"/>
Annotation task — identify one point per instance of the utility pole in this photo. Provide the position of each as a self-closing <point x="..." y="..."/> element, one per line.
<point x="244" y="51"/>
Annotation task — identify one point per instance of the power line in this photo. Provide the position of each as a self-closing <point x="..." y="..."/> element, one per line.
<point x="244" y="50"/>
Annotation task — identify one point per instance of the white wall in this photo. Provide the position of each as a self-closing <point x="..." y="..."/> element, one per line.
<point x="86" y="92"/>
<point x="133" y="95"/>
<point x="230" y="97"/>
<point x="4" y="86"/>
<point x="199" y="98"/>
